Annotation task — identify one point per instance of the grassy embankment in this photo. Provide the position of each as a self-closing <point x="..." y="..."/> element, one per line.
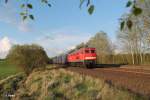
<point x="59" y="84"/>
<point x="7" y="69"/>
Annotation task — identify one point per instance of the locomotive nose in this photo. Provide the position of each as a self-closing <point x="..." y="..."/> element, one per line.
<point x="90" y="54"/>
<point x="90" y="58"/>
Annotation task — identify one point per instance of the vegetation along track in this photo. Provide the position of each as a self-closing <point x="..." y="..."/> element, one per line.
<point x="134" y="80"/>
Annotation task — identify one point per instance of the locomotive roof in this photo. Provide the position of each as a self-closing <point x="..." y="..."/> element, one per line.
<point x="86" y="48"/>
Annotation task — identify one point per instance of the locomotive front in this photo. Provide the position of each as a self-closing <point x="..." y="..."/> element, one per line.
<point x="83" y="56"/>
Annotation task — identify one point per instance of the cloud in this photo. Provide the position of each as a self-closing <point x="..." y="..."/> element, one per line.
<point x="5" y="46"/>
<point x="60" y="42"/>
<point x="11" y="17"/>
<point x="71" y="47"/>
<point x="24" y="27"/>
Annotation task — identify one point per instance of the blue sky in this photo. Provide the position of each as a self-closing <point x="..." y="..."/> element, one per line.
<point x="60" y="27"/>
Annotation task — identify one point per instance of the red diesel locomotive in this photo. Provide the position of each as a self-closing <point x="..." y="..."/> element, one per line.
<point x="83" y="56"/>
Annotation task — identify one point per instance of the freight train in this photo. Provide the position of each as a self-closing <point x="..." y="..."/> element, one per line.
<point x="84" y="57"/>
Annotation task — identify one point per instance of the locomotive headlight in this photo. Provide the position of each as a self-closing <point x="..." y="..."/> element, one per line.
<point x="90" y="57"/>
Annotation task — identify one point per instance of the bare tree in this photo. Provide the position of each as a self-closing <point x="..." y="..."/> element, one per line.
<point x="136" y="38"/>
<point x="102" y="44"/>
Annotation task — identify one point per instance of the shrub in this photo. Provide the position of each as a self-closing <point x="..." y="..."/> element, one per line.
<point x="28" y="57"/>
<point x="67" y="78"/>
<point x="81" y="87"/>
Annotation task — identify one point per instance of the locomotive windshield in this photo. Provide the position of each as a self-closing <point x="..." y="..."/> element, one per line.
<point x="86" y="51"/>
<point x="92" y="51"/>
<point x="89" y="51"/>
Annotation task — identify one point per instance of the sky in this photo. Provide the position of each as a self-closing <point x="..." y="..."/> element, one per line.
<point x="59" y="28"/>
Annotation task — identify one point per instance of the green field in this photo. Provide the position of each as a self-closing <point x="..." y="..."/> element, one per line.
<point x="7" y="69"/>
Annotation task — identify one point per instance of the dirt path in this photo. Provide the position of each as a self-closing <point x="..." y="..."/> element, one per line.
<point x="135" y="80"/>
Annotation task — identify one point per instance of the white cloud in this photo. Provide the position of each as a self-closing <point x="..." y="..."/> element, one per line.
<point x="58" y="43"/>
<point x="5" y="45"/>
<point x="24" y="26"/>
<point x="71" y="47"/>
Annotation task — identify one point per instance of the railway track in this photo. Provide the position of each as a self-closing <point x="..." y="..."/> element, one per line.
<point x="135" y="80"/>
<point x="125" y="70"/>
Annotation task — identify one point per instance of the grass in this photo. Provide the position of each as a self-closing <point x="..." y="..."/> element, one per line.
<point x="59" y="84"/>
<point x="10" y="85"/>
<point x="7" y="69"/>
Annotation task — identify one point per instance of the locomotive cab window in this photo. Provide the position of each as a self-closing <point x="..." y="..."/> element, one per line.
<point x="86" y="51"/>
<point x="92" y="51"/>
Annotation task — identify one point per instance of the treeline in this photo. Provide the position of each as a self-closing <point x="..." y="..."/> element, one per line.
<point x="2" y="59"/>
<point x="133" y="43"/>
<point x="110" y="53"/>
<point x="124" y="59"/>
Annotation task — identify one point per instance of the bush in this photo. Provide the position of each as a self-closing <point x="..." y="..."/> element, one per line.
<point x="28" y="57"/>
